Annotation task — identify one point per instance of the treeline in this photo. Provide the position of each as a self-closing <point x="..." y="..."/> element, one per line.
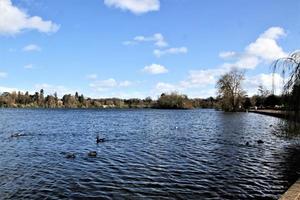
<point x="40" y="100"/>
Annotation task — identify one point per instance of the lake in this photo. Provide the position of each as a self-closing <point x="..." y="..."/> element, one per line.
<point x="148" y="154"/>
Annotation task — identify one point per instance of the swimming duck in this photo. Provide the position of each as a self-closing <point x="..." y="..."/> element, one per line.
<point x="99" y="140"/>
<point x="70" y="155"/>
<point x="15" y="135"/>
<point x="92" y="154"/>
<point x="260" y="141"/>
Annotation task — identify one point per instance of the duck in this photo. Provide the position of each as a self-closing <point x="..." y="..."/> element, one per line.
<point x="70" y="155"/>
<point x="99" y="140"/>
<point x="260" y="141"/>
<point x="92" y="154"/>
<point x="15" y="135"/>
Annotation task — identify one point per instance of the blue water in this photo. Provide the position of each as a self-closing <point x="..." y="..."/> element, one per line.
<point x="148" y="154"/>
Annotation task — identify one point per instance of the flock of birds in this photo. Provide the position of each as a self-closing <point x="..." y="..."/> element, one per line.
<point x="68" y="155"/>
<point x="101" y="140"/>
<point x="91" y="153"/>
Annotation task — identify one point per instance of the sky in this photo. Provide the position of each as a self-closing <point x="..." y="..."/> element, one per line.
<point x="141" y="48"/>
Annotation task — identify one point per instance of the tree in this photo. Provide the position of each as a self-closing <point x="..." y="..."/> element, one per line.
<point x="69" y="101"/>
<point x="230" y="90"/>
<point x="290" y="66"/>
<point x="42" y="98"/>
<point x="35" y="97"/>
<point x="81" y="99"/>
<point x="247" y="103"/>
<point x="263" y="92"/>
<point x="55" y="98"/>
<point x="50" y="102"/>
<point x="259" y="99"/>
<point x="76" y="96"/>
<point x="174" y="101"/>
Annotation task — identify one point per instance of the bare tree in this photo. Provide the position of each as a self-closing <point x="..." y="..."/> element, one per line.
<point x="230" y="90"/>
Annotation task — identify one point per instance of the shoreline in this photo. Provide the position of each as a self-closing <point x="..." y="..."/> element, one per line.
<point x="293" y="193"/>
<point x="276" y="113"/>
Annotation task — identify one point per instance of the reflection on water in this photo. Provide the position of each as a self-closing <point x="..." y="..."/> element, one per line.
<point x="286" y="128"/>
<point x="182" y="154"/>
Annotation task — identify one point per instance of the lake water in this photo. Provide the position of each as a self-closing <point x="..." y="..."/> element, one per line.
<point x="148" y="154"/>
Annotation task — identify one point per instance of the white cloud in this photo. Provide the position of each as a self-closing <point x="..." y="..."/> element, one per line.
<point x="125" y="83"/>
<point x="92" y="76"/>
<point x="13" y="20"/>
<point x="32" y="47"/>
<point x="265" y="49"/>
<point x="157" y="38"/>
<point x="29" y="66"/>
<point x="3" y="75"/>
<point x="135" y="6"/>
<point x="104" y="85"/>
<point x="209" y="92"/>
<point x="160" y="42"/>
<point x="179" y="50"/>
<point x="51" y="89"/>
<point x="8" y="89"/>
<point x="251" y="83"/>
<point x="227" y="54"/>
<point x="162" y="87"/>
<point x="198" y="82"/>
<point x="109" y="83"/>
<point x="244" y="62"/>
<point x="201" y="78"/>
<point x="266" y="46"/>
<point x="122" y="94"/>
<point x="273" y="33"/>
<point x="155" y="69"/>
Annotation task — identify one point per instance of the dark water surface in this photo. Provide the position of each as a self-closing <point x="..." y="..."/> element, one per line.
<point x="145" y="155"/>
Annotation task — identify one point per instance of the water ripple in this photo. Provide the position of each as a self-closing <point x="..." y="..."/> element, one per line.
<point x="152" y="154"/>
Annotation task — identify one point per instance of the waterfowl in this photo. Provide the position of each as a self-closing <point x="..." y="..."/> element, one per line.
<point x="247" y="143"/>
<point x="99" y="140"/>
<point x="17" y="135"/>
<point x="70" y="155"/>
<point x="92" y="154"/>
<point x="260" y="141"/>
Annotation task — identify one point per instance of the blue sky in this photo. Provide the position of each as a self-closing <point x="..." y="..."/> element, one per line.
<point x="140" y="48"/>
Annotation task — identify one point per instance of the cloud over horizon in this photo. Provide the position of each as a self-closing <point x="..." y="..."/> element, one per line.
<point x="104" y="85"/>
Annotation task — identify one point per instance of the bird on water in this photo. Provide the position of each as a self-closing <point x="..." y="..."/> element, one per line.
<point x="99" y="140"/>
